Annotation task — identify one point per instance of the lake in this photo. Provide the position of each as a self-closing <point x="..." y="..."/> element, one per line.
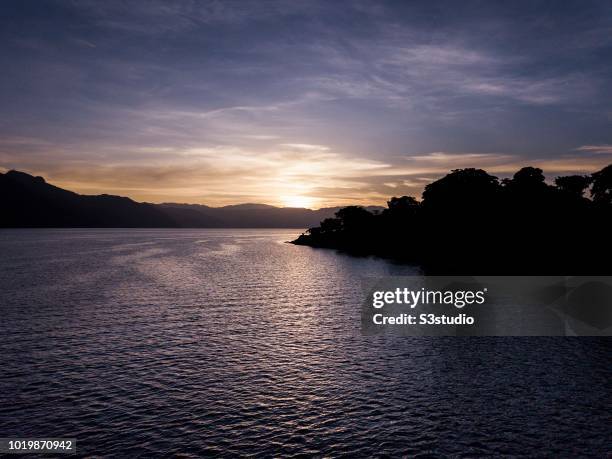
<point x="228" y="342"/>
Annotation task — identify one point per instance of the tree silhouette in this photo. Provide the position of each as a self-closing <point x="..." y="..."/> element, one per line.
<point x="529" y="177"/>
<point x="529" y="182"/>
<point x="469" y="223"/>
<point x="460" y="188"/>
<point x="330" y="225"/>
<point x="575" y="185"/>
<point x="353" y="217"/>
<point x="404" y="206"/>
<point x="602" y="186"/>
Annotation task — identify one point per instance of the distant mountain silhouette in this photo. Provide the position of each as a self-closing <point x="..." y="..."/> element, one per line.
<point x="27" y="201"/>
<point x="469" y="222"/>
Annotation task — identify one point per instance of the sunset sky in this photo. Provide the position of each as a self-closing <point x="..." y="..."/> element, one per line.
<point x="300" y="103"/>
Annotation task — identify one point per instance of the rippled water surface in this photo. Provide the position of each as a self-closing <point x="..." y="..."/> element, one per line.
<point x="230" y="342"/>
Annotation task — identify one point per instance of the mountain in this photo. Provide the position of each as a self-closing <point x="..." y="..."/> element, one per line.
<point x="252" y="215"/>
<point x="28" y="201"/>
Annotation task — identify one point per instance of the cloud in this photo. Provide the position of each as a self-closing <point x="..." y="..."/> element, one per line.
<point x="440" y="78"/>
<point x="461" y="158"/>
<point x="434" y="57"/>
<point x="214" y="175"/>
<point x="222" y="102"/>
<point x="158" y="17"/>
<point x="229" y="174"/>
<point x="305" y="147"/>
<point x="597" y="149"/>
<point x="544" y="91"/>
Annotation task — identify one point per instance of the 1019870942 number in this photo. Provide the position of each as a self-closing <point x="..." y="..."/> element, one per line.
<point x="38" y="445"/>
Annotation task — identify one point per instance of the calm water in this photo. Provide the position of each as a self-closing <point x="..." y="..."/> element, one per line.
<point x="228" y="342"/>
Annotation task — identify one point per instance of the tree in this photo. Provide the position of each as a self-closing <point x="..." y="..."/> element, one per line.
<point x="529" y="176"/>
<point x="527" y="180"/>
<point x="462" y="187"/>
<point x="573" y="184"/>
<point x="406" y="205"/>
<point x="353" y="217"/>
<point x="602" y="185"/>
<point x="329" y="225"/>
<point x="528" y="189"/>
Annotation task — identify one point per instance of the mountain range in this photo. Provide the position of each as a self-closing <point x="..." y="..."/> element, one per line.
<point x="30" y="202"/>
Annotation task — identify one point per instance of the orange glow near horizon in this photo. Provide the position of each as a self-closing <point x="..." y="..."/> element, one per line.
<point x="310" y="176"/>
<point x="298" y="201"/>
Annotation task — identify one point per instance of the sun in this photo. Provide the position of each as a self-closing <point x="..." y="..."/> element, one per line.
<point x="297" y="201"/>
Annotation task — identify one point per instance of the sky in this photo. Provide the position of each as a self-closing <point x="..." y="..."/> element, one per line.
<point x="300" y="103"/>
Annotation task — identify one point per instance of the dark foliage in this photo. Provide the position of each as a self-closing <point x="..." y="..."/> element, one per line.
<point x="469" y="222"/>
<point x="602" y="185"/>
<point x="574" y="184"/>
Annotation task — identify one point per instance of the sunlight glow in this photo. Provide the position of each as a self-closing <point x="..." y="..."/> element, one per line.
<point x="297" y="201"/>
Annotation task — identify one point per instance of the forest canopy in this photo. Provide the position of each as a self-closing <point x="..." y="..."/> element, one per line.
<point x="471" y="221"/>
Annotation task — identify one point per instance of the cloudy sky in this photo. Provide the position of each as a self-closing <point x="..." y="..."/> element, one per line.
<point x="300" y="102"/>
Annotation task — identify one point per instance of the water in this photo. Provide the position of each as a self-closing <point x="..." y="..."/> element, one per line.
<point x="226" y="342"/>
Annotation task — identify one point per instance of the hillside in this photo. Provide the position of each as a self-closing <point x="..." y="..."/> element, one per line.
<point x="28" y="201"/>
